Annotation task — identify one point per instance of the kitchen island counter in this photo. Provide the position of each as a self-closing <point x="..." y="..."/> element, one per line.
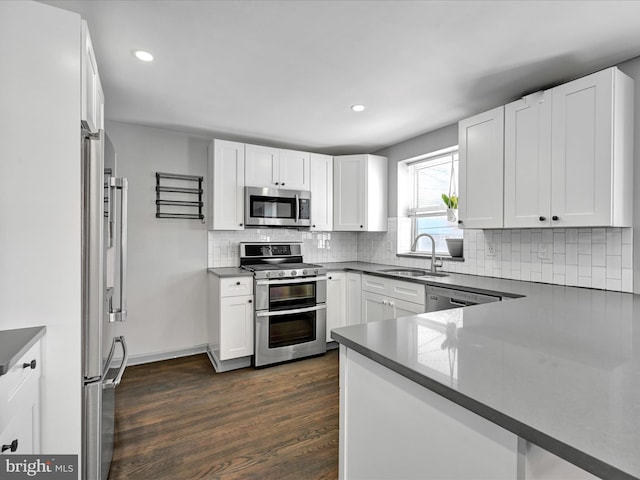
<point x="558" y="367"/>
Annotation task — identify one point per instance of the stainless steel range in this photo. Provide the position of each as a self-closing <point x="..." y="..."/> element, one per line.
<point x="290" y="302"/>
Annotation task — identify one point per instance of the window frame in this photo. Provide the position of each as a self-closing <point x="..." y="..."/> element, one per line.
<point x="414" y="213"/>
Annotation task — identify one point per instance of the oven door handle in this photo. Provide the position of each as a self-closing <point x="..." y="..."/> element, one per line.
<point x="267" y="313"/>
<point x="281" y="281"/>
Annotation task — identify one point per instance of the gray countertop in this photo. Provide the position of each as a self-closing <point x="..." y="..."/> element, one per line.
<point x="559" y="367"/>
<point x="223" y="272"/>
<point x="15" y="343"/>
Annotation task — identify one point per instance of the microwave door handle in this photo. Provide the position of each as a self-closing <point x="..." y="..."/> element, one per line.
<point x="297" y="208"/>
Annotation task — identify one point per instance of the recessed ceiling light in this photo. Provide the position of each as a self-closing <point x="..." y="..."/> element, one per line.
<point x="142" y="55"/>
<point x="357" y="108"/>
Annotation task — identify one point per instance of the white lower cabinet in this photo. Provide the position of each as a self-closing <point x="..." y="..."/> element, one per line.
<point x="20" y="405"/>
<point x="353" y="288"/>
<point x="384" y="298"/>
<point x="336" y="301"/>
<point x="230" y="322"/>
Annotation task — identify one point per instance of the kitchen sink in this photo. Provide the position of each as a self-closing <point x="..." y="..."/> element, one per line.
<point x="412" y="272"/>
<point x="405" y="272"/>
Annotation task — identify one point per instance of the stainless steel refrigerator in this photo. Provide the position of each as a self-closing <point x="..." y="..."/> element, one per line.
<point x="104" y="299"/>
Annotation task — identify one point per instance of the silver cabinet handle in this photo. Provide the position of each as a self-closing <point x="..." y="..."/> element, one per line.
<point x="112" y="383"/>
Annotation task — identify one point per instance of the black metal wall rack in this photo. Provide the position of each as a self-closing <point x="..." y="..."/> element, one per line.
<point x="181" y="197"/>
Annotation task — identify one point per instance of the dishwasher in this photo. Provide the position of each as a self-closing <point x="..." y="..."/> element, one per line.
<point x="441" y="298"/>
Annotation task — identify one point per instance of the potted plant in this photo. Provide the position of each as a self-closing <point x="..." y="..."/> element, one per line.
<point x="452" y="207"/>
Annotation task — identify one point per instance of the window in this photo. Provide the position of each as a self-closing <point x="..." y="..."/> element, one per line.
<point x="430" y="176"/>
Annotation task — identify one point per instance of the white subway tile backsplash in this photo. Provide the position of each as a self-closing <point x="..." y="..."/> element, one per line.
<point x="614" y="242"/>
<point x="598" y="254"/>
<point x="589" y="257"/>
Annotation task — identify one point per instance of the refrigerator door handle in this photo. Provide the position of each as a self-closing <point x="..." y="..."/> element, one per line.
<point x="114" y="382"/>
<point x="120" y="314"/>
<point x="92" y="253"/>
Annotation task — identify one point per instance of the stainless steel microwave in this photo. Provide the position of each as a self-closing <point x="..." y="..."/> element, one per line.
<point x="276" y="207"/>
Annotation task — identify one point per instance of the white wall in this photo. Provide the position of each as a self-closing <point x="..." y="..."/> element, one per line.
<point x="40" y="222"/>
<point x="167" y="257"/>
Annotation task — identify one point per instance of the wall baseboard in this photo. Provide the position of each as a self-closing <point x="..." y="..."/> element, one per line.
<point x="168" y="355"/>
<point x="221" y="366"/>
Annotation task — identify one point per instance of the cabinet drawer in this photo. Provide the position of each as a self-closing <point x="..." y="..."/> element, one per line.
<point x="11" y="381"/>
<point x="409" y="291"/>
<point x="374" y="284"/>
<point x="235" y="286"/>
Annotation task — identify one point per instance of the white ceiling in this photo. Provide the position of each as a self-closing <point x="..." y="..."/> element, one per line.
<point x="284" y="73"/>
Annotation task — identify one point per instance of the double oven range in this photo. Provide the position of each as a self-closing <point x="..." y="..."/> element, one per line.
<point x="290" y="302"/>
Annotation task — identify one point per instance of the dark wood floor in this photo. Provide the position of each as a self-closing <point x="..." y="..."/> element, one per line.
<point x="178" y="419"/>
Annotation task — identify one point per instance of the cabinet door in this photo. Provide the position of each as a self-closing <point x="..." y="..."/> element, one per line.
<point x="236" y="327"/>
<point x="582" y="151"/>
<point x="321" y="192"/>
<point x="349" y="184"/>
<point x="336" y="303"/>
<point x="91" y="110"/>
<point x="401" y="308"/>
<point x="226" y="185"/>
<point x="527" y="161"/>
<point x="353" y="303"/>
<point x="481" y="150"/>
<point x="21" y="429"/>
<point x="295" y="170"/>
<point x="375" y="307"/>
<point x="262" y="166"/>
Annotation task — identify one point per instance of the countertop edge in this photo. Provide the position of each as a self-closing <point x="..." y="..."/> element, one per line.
<point x="567" y="452"/>
<point x="36" y="335"/>
<point x="230" y="272"/>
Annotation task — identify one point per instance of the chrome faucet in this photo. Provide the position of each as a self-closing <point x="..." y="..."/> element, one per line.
<point x="433" y="249"/>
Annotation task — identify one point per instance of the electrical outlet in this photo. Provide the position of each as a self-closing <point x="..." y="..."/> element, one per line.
<point x="544" y="250"/>
<point x="389" y="246"/>
<point x="491" y="249"/>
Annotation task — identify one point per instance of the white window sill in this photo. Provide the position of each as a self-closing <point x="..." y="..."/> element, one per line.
<point x="421" y="255"/>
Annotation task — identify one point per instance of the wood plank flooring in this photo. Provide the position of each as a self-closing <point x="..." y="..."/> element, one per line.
<point x="178" y="419"/>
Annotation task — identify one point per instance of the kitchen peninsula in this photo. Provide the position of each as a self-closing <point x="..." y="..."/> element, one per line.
<point x="542" y="386"/>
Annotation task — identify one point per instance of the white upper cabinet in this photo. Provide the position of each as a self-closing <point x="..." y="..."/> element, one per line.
<point x="592" y="151"/>
<point x="225" y="198"/>
<point x="321" y="192"/>
<point x="276" y="168"/>
<point x="568" y="155"/>
<point x="527" y="161"/>
<point x="92" y="104"/>
<point x="262" y="166"/>
<point x="295" y="170"/>
<point x="360" y="193"/>
<point x="481" y="156"/>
